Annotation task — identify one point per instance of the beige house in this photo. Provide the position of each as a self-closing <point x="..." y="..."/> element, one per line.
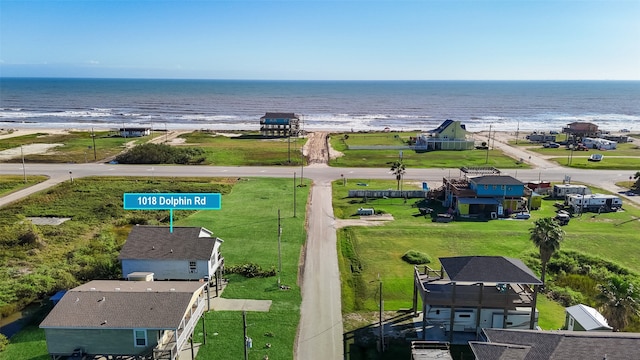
<point x="111" y="318"/>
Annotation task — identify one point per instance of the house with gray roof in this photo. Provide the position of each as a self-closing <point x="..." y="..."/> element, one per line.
<point x="112" y="318"/>
<point x="555" y="345"/>
<point x="484" y="196"/>
<point x="470" y="293"/>
<point x="585" y="318"/>
<point x="180" y="253"/>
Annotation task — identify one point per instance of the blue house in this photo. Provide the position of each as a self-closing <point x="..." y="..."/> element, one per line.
<point x="489" y="196"/>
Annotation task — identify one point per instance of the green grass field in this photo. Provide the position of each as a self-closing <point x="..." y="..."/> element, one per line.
<point x="376" y="251"/>
<point x="411" y="159"/>
<point x="11" y="183"/>
<point x="77" y="146"/>
<point x="249" y="149"/>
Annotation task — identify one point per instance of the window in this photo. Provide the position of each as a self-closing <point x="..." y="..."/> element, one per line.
<point x="193" y="268"/>
<point x="140" y="337"/>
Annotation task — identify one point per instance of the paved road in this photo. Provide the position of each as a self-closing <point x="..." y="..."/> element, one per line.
<point x="320" y="329"/>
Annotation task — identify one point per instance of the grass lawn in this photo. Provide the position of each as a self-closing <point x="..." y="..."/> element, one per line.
<point x="375" y="252"/>
<point x="632" y="164"/>
<point x="77" y="146"/>
<point x="432" y="159"/>
<point x="11" y="183"/>
<point x="248" y="224"/>
<point x="249" y="149"/>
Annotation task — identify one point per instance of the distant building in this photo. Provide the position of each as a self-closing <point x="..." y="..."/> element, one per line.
<point x="134" y="132"/>
<point x="274" y="124"/>
<point x="585" y="318"/>
<point x="450" y="135"/>
<point x="581" y="129"/>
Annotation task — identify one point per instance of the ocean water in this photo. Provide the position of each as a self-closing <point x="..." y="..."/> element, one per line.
<point x="323" y="105"/>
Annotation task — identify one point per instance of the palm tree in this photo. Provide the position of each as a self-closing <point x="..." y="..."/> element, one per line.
<point x="398" y="169"/>
<point x="547" y="236"/>
<point x="637" y="177"/>
<point x="620" y="301"/>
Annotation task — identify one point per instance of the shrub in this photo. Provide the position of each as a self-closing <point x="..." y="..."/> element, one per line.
<point x="3" y="342"/>
<point x="160" y="154"/>
<point x="251" y="270"/>
<point x="415" y="257"/>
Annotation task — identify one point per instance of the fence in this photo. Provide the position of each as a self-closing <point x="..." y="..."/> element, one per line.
<point x="376" y="194"/>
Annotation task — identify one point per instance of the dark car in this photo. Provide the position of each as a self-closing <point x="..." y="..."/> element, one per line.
<point x="551" y="145"/>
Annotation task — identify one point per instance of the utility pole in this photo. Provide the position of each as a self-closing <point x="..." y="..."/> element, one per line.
<point x="381" y="316"/>
<point x="246" y="339"/>
<point x="294" y="194"/>
<point x="289" y="148"/>
<point x="486" y="161"/>
<point x="517" y="132"/>
<point x="279" y="249"/>
<point x="301" y="166"/>
<point x="93" y="136"/>
<point x="24" y="169"/>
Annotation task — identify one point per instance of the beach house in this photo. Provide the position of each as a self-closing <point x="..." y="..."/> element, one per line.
<point x="181" y="253"/>
<point x="450" y="135"/>
<point x="277" y="124"/>
<point x="484" y="193"/>
<point x="122" y="319"/>
<point x="470" y="293"/>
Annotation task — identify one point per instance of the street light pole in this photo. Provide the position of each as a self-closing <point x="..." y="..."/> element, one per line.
<point x="93" y="136"/>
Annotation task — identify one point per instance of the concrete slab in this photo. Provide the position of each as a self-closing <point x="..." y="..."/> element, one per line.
<point x="221" y="304"/>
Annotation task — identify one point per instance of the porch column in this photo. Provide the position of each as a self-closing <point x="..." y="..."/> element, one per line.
<point x="506" y="306"/>
<point x="204" y="330"/>
<point x="452" y="316"/>
<point x="532" y="320"/>
<point x="479" y="310"/>
<point x="415" y="293"/>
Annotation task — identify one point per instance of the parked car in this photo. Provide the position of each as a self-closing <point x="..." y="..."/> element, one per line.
<point x="443" y="218"/>
<point x="523" y="215"/>
<point x="552" y="145"/>
<point x="562" y="218"/>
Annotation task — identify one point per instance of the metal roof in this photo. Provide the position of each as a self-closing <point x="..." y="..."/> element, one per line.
<point x="588" y="317"/>
<point x="114" y="304"/>
<point x="158" y="242"/>
<point x="488" y="269"/>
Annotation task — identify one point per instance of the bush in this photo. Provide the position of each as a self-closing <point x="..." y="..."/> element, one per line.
<point x="161" y="154"/>
<point x="3" y="342"/>
<point x="415" y="257"/>
<point x="251" y="270"/>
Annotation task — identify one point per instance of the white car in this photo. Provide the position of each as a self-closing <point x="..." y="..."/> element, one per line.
<point x="523" y="215"/>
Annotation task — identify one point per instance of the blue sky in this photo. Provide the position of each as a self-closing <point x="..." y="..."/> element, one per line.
<point x="328" y="39"/>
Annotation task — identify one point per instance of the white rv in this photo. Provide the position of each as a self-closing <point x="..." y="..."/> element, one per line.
<point x="599" y="143"/>
<point x="594" y="203"/>
<point x="560" y="191"/>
